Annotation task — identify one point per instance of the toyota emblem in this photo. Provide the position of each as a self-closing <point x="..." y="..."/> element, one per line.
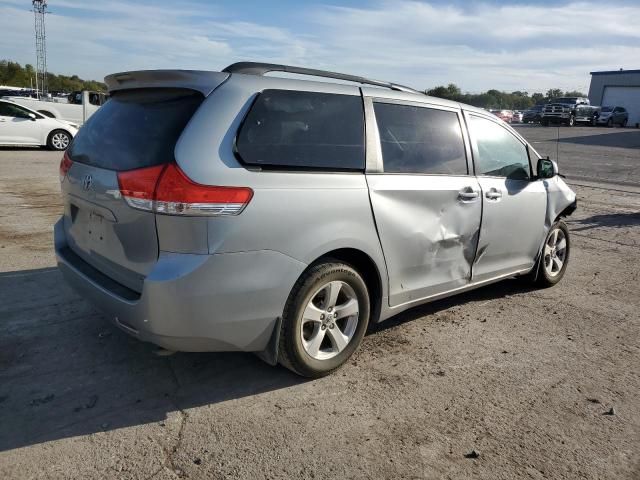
<point x="87" y="181"/>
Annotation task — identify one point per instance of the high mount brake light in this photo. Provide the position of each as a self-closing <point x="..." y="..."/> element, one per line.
<point x="166" y="189"/>
<point x="65" y="165"/>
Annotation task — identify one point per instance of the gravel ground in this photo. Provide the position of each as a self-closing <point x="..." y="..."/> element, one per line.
<point x="524" y="377"/>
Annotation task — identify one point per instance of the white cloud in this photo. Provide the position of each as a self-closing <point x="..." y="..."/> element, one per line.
<point x="516" y="47"/>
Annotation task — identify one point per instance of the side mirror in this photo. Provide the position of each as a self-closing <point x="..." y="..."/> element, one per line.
<point x="547" y="168"/>
<point x="32" y="116"/>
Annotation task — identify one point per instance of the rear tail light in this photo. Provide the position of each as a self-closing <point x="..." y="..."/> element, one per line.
<point x="65" y="165"/>
<point x="166" y="189"/>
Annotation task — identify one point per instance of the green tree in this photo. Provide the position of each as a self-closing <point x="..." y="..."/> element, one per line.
<point x="537" y="97"/>
<point x="13" y="74"/>
<point x="554" y="92"/>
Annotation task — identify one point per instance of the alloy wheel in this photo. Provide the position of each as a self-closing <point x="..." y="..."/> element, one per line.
<point x="555" y="252"/>
<point x="329" y="320"/>
<point x="60" y="140"/>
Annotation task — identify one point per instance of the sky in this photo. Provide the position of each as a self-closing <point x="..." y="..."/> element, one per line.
<point x="509" y="45"/>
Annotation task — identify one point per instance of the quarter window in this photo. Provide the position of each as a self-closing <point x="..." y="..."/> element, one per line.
<point x="497" y="152"/>
<point x="420" y="140"/>
<point x="293" y="129"/>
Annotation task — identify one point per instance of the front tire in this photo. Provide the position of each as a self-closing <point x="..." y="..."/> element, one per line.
<point x="324" y="320"/>
<point x="572" y="121"/>
<point x="554" y="257"/>
<point x="610" y="123"/>
<point x="58" y="140"/>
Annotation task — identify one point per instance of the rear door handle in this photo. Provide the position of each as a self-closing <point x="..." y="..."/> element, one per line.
<point x="467" y="194"/>
<point x="493" y="194"/>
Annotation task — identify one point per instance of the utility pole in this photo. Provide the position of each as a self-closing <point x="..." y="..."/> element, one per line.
<point x="39" y="10"/>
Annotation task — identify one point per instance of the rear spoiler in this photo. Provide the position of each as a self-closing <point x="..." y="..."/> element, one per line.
<point x="203" y="82"/>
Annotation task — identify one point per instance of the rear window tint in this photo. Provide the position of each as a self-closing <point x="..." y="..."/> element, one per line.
<point x="292" y="129"/>
<point x="420" y="140"/>
<point x="135" y="129"/>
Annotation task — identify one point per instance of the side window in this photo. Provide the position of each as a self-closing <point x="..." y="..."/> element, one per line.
<point x="420" y="140"/>
<point x="10" y="110"/>
<point x="497" y="152"/>
<point x="295" y="129"/>
<point x="4" y="109"/>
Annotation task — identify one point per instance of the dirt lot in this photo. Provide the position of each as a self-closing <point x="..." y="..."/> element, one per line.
<point x="525" y="377"/>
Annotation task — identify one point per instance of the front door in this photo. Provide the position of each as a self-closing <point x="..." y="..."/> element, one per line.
<point x="16" y="127"/>
<point x="426" y="205"/>
<point x="514" y="202"/>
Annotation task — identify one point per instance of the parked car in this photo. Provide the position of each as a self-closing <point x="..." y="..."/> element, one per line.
<point x="70" y="109"/>
<point x="562" y="110"/>
<point x="533" y="114"/>
<point x="21" y="126"/>
<point x="611" y="116"/>
<point x="587" y="114"/>
<point x="233" y="210"/>
<point x="517" y="116"/>
<point x="506" y="115"/>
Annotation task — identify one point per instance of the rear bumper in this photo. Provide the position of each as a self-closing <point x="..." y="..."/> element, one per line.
<point x="196" y="303"/>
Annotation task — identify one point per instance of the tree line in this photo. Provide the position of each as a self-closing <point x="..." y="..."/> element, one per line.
<point x="501" y="100"/>
<point x="15" y="75"/>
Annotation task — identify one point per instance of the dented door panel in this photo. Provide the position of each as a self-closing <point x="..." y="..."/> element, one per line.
<point x="513" y="218"/>
<point x="428" y="228"/>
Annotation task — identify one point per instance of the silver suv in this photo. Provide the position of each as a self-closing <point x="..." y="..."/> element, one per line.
<point x="211" y="211"/>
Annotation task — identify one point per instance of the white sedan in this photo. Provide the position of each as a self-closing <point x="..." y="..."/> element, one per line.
<point x="21" y="126"/>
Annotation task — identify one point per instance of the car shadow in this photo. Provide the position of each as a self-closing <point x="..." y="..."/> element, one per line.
<point x="66" y="371"/>
<point x="502" y="289"/>
<point x="20" y="148"/>
<point x="627" y="138"/>
<point x="612" y="220"/>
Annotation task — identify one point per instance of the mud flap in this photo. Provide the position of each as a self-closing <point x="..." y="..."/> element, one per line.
<point x="270" y="353"/>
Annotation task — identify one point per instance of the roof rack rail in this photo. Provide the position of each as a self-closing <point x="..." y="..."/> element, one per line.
<point x="257" y="68"/>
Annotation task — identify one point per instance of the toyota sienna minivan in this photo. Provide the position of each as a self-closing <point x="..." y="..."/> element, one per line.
<point x="242" y="211"/>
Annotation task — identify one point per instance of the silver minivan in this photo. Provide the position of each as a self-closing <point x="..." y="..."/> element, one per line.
<point x="242" y="211"/>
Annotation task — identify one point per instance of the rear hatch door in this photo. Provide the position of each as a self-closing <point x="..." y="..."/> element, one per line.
<point x="135" y="129"/>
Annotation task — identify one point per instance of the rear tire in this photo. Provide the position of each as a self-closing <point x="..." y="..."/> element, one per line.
<point x="554" y="257"/>
<point x="58" y="140"/>
<point x="324" y="320"/>
<point x="624" y="123"/>
<point x="571" y="122"/>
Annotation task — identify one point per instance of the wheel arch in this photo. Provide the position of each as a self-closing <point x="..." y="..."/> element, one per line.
<point x="57" y="129"/>
<point x="48" y="113"/>
<point x="367" y="267"/>
<point x="569" y="209"/>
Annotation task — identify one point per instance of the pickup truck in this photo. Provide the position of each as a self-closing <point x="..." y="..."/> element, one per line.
<point x="562" y="110"/>
<point x="78" y="106"/>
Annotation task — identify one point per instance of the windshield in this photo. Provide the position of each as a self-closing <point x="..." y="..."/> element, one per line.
<point x="564" y="100"/>
<point x="606" y="109"/>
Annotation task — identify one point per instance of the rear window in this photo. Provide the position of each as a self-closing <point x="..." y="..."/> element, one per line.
<point x="135" y="129"/>
<point x="302" y="130"/>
